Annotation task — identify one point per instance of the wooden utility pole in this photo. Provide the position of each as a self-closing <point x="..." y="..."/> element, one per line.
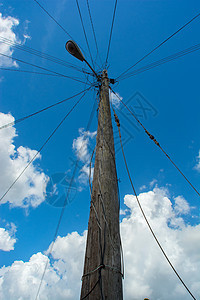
<point x="102" y="278"/>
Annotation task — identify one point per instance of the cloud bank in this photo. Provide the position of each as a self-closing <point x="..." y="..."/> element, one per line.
<point x="62" y="278"/>
<point x="147" y="271"/>
<point x="147" y="274"/>
<point x="7" y="24"/>
<point x="29" y="190"/>
<point x="7" y="238"/>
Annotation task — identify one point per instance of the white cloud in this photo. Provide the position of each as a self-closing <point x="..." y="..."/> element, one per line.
<point x="62" y="279"/>
<point x="80" y="145"/>
<point x="8" y="37"/>
<point x="123" y="212"/>
<point x="83" y="153"/>
<point x="181" y="206"/>
<point x="29" y="190"/>
<point x="153" y="183"/>
<point x="143" y="187"/>
<point x="6" y="31"/>
<point x="147" y="274"/>
<point x="197" y="166"/>
<point x="115" y="99"/>
<point x="26" y="36"/>
<point x="7" y="239"/>
<point x="85" y="173"/>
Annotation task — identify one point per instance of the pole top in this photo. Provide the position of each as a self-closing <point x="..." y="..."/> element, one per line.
<point x="105" y="73"/>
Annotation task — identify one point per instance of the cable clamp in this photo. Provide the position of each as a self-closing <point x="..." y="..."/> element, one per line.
<point x="98" y="268"/>
<point x="152" y="138"/>
<point x="115" y="269"/>
<point x="113" y="81"/>
<point x="116" y="119"/>
<point x="103" y="267"/>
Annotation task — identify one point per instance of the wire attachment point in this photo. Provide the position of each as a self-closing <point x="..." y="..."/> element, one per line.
<point x="152" y="138"/>
<point x="113" y="81"/>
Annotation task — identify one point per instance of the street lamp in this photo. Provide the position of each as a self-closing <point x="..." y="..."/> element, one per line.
<point x="74" y="50"/>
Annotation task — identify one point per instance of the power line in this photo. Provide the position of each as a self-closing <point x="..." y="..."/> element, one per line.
<point x="42" y="68"/>
<point x="111" y="30"/>
<point x="167" y="39"/>
<point x="30" y="72"/>
<point x="54" y="238"/>
<point x="143" y="213"/>
<point x="53" y="18"/>
<point x="34" y="157"/>
<point x="84" y="32"/>
<point x="157" y="143"/>
<point x="92" y="289"/>
<point x="162" y="61"/>
<point x="64" y="205"/>
<point x="56" y="22"/>
<point x="40" y="54"/>
<point x="93" y="30"/>
<point x="41" y="110"/>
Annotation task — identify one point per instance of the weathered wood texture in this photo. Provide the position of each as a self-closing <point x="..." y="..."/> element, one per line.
<point x="103" y="240"/>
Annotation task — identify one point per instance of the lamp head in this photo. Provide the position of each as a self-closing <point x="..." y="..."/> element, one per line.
<point x="74" y="50"/>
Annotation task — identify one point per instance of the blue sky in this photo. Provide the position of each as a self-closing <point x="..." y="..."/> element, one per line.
<point x="170" y="95"/>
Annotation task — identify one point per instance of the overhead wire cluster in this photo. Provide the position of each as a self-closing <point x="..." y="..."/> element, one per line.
<point x="161" y="61"/>
<point x="143" y="213"/>
<point x="83" y="27"/>
<point x="43" y="145"/>
<point x="93" y="30"/>
<point x="22" y="47"/>
<point x="156" y="142"/>
<point x="111" y="31"/>
<point x="92" y="85"/>
<point x="42" y="68"/>
<point x="158" y="46"/>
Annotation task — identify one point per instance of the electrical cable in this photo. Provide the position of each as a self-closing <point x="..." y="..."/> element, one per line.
<point x="62" y="212"/>
<point x="41" y="110"/>
<point x="43" y="55"/>
<point x="157" y="144"/>
<point x="41" y="148"/>
<point x="143" y="213"/>
<point x="87" y="79"/>
<point x="55" y="234"/>
<point x="102" y="260"/>
<point x="92" y="289"/>
<point x="93" y="205"/>
<point x="84" y="32"/>
<point x="58" y="224"/>
<point x="42" y="68"/>
<point x="93" y="30"/>
<point x="111" y="30"/>
<point x="93" y="271"/>
<point x="100" y="192"/>
<point x="29" y="72"/>
<point x="53" y="18"/>
<point x="167" y="39"/>
<point x="162" y="61"/>
<point x="103" y="234"/>
<point x="100" y="229"/>
<point x="87" y="128"/>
